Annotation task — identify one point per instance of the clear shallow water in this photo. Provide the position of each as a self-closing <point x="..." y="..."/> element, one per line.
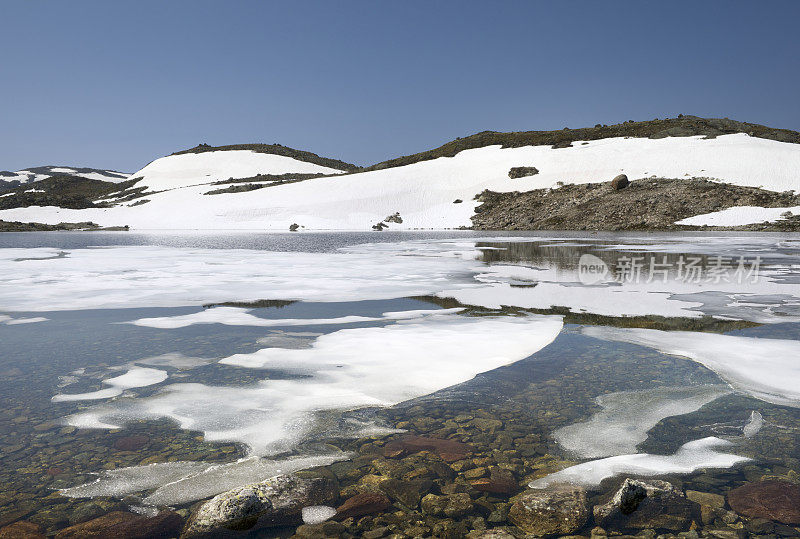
<point x="273" y="373"/>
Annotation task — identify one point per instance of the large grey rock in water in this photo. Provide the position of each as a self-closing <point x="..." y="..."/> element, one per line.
<point x="274" y="502"/>
<point x="559" y="510"/>
<point x="646" y="504"/>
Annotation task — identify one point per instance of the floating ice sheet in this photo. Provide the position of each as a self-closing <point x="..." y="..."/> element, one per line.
<point x="347" y="369"/>
<point x="136" y="377"/>
<point x="767" y="369"/>
<point x="627" y="416"/>
<point x="235" y="316"/>
<point x="690" y="456"/>
<point x="185" y="481"/>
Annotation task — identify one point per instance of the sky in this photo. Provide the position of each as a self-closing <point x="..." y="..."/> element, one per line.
<point x="118" y="84"/>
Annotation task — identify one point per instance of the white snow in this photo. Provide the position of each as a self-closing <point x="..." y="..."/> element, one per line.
<point x="29" y="176"/>
<point x="34" y="191"/>
<point x="136" y="377"/>
<point x="626" y="417"/>
<point x="190" y="169"/>
<point x="767" y="369"/>
<point x="423" y="193"/>
<point x="739" y="215"/>
<point x="234" y="316"/>
<point x="690" y="456"/>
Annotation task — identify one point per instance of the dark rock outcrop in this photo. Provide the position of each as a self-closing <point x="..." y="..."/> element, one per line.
<point x="646" y="204"/>
<point x="522" y="172"/>
<point x="394" y="218"/>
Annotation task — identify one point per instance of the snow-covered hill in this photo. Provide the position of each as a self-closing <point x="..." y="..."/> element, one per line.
<point x="188" y="169"/>
<point x="33" y="174"/>
<point x="428" y="194"/>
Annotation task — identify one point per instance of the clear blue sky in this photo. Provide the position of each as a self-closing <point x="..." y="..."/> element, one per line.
<point x="116" y="84"/>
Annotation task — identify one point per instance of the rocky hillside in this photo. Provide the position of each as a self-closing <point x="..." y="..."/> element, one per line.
<point x="682" y="126"/>
<point x="63" y="191"/>
<point x="276" y="149"/>
<point x="709" y="172"/>
<point x="646" y="204"/>
<point x="10" y="180"/>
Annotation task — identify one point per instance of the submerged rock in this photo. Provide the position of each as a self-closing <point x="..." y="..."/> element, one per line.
<point x="365" y="503"/>
<point x="771" y="499"/>
<point x="500" y="481"/>
<point x="559" y="510"/>
<point x="132" y="443"/>
<point x="448" y="450"/>
<point x="451" y="505"/>
<point x="407" y="493"/>
<point x="646" y="504"/>
<point x="274" y="502"/>
<point x="125" y="525"/>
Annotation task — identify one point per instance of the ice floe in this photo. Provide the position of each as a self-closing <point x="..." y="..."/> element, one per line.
<point x="235" y="316"/>
<point x="136" y="377"/>
<point x="186" y="481"/>
<point x="691" y="456"/>
<point x="767" y="369"/>
<point x="347" y="369"/>
<point x="11" y="321"/>
<point x="627" y="416"/>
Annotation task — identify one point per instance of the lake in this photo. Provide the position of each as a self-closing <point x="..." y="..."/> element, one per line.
<point x="145" y="371"/>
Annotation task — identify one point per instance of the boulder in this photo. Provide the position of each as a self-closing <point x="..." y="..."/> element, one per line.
<point x="500" y="481"/>
<point x="450" y="505"/>
<point x="646" y="504"/>
<point x="365" y="503"/>
<point x="379" y="226"/>
<point x="771" y="499"/>
<point x="448" y="450"/>
<point x="620" y="182"/>
<point x="21" y="530"/>
<point x="559" y="510"/>
<point x="394" y="218"/>
<point x="293" y="227"/>
<point x="275" y="502"/>
<point x="125" y="525"/>
<point x="521" y="172"/>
